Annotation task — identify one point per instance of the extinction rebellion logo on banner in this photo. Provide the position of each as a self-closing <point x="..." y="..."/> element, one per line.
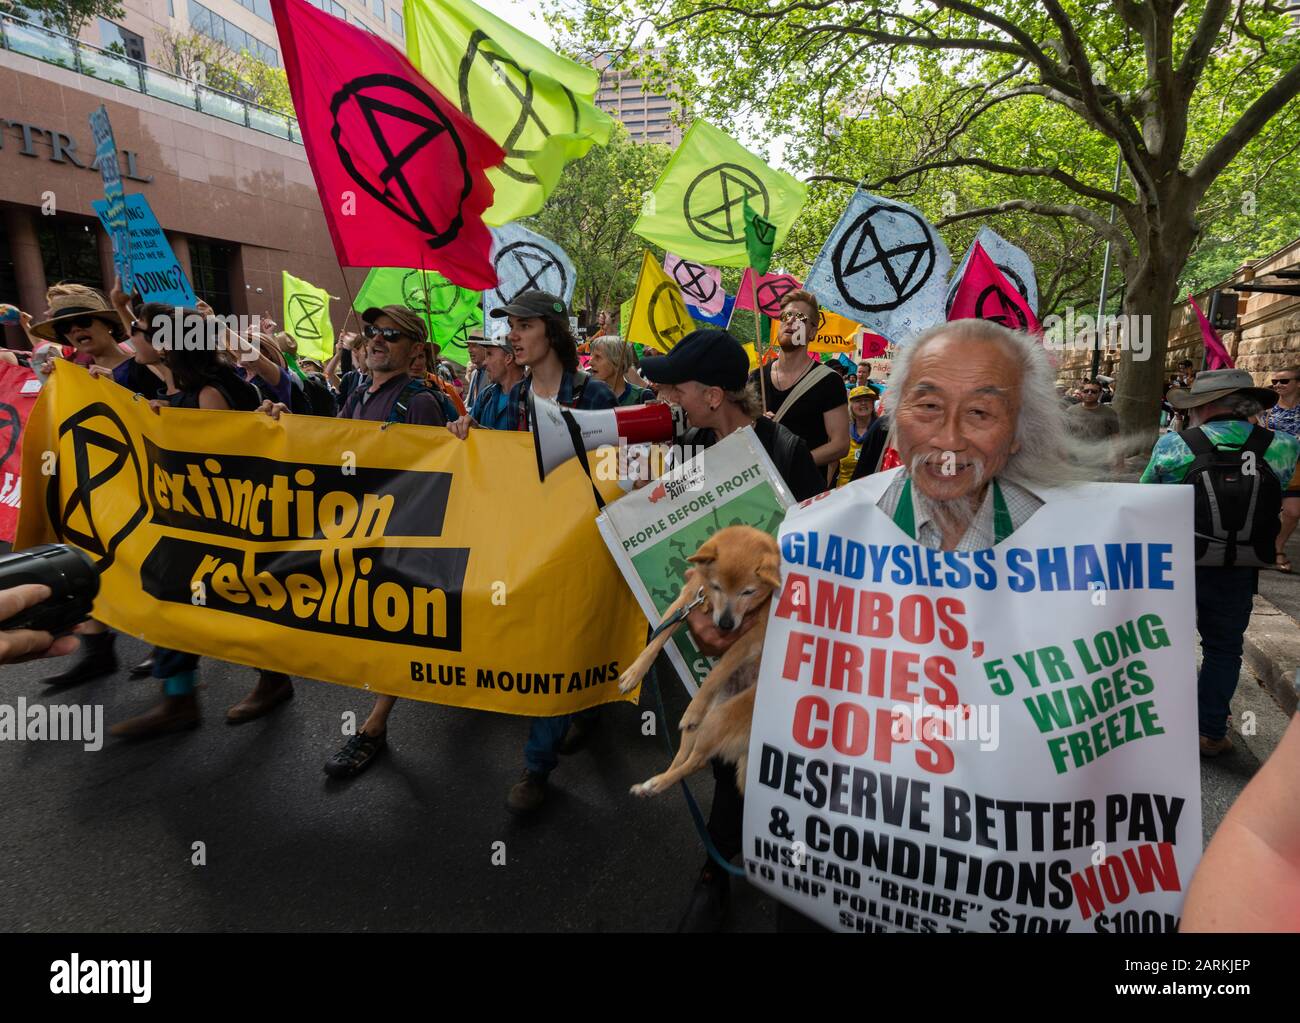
<point x="311" y="543"/>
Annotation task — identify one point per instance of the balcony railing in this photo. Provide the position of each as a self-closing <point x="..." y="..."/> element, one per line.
<point x="55" y="48"/>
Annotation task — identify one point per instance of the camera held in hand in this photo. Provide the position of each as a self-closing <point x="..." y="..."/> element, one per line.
<point x="71" y="577"/>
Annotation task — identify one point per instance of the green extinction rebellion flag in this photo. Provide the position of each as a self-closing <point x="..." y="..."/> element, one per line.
<point x="307" y="317"/>
<point x="448" y="310"/>
<point x="538" y="106"/>
<point x="697" y="209"/>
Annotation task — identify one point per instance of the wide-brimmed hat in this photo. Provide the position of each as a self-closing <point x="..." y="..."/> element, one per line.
<point x="1214" y="384"/>
<point x="72" y="304"/>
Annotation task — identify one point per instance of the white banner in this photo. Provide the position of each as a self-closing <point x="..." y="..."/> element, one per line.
<point x="1004" y="740"/>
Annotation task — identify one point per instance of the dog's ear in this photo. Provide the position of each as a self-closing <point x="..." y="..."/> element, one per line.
<point x="769" y="571"/>
<point x="706" y="555"/>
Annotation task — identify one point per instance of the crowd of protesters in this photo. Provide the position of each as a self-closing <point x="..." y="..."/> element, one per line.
<point x="823" y="426"/>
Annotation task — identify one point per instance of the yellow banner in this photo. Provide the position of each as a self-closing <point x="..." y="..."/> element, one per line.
<point x="397" y="559"/>
<point x="835" y="334"/>
<point x="658" y="317"/>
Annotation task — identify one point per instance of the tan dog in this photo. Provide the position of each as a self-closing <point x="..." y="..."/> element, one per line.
<point x="737" y="569"/>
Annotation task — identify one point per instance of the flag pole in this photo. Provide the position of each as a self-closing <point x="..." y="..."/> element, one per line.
<point x="759" y="344"/>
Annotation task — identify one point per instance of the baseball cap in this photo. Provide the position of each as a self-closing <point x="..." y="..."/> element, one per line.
<point x="713" y="357"/>
<point x="410" y="323"/>
<point x="533" y="303"/>
<point x="863" y="392"/>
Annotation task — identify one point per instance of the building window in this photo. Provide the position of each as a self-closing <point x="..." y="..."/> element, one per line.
<point x="395" y="21"/>
<point x="120" y="40"/>
<point x="210" y="263"/>
<point x="214" y="26"/>
<point x="377" y="9"/>
<point x="69" y="250"/>
<point x="262" y="8"/>
<point x="171" y="9"/>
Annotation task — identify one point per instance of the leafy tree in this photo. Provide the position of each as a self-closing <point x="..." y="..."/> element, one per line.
<point x="196" y="56"/>
<point x="590" y="215"/>
<point x="1021" y="108"/>
<point x="66" y="16"/>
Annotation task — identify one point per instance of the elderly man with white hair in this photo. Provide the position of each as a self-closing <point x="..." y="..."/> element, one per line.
<point x="977" y="425"/>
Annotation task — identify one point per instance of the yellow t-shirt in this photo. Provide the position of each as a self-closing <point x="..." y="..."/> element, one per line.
<point x="850" y="461"/>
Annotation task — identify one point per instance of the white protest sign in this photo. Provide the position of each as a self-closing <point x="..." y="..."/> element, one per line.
<point x="1002" y="740"/>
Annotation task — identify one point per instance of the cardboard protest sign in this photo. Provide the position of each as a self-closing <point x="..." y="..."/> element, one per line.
<point x="997" y="740"/>
<point x="157" y="273"/>
<point x="19" y="390"/>
<point x="388" y="556"/>
<point x="652" y="531"/>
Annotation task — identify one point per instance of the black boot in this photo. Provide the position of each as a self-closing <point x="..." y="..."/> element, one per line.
<point x="142" y="670"/>
<point x="95" y="659"/>
<point x="710" y="900"/>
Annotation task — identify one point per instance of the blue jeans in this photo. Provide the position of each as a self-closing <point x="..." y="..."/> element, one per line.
<point x="176" y="668"/>
<point x="1224" y="597"/>
<point x="545" y="736"/>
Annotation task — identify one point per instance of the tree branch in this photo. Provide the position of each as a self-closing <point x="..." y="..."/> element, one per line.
<point x="1099" y="224"/>
<point x="1247" y="126"/>
<point x="1055" y="173"/>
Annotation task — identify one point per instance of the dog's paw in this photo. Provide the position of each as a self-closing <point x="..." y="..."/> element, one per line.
<point x="629" y="680"/>
<point x="689" y="722"/>
<point x="645" y="789"/>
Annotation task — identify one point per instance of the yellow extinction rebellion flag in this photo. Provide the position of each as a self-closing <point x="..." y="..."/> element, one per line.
<point x="697" y="208"/>
<point x="398" y="559"/>
<point x="538" y="106"/>
<point x="307" y="317"/>
<point x="658" y="316"/>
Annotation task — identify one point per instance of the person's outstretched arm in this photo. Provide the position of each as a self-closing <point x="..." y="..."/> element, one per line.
<point x="1249" y="878"/>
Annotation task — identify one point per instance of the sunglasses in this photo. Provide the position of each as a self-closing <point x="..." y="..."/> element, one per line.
<point x="1282" y="380"/>
<point x="791" y="314"/>
<point x="390" y="334"/>
<point x="62" y="328"/>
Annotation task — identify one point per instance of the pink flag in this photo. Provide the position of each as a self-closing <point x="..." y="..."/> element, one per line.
<point x="770" y="288"/>
<point x="1216" y="355"/>
<point x="399" y="169"/>
<point x="984" y="293"/>
<point x="701" y="285"/>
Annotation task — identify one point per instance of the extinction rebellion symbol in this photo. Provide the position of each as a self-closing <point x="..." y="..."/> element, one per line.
<point x="433" y="299"/>
<point x="714" y="204"/>
<point x="387" y="122"/>
<point x="874" y="275"/>
<point x="695" y="281"/>
<point x="532" y="267"/>
<point x="304" y="311"/>
<point x="530" y="130"/>
<point x="668" y="318"/>
<point x="995" y="305"/>
<point x="95" y="524"/>
<point x="11" y="427"/>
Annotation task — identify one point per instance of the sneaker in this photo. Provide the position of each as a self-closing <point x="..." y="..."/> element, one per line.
<point x="528" y="793"/>
<point x="356" y="755"/>
<point x="1213" y="747"/>
<point x="710" y="900"/>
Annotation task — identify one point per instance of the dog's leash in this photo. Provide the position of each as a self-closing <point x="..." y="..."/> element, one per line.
<point x="691" y="804"/>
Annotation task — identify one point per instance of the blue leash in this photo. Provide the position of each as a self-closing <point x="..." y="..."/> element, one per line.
<point x="653" y="678"/>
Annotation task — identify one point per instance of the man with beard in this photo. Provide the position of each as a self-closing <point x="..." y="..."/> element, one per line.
<point x="806" y="397"/>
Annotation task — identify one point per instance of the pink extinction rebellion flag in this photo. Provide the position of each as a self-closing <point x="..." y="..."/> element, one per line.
<point x="769" y="290"/>
<point x="984" y="293"/>
<point x="400" y="170"/>
<point x="1216" y="355"/>
<point x="701" y="285"/>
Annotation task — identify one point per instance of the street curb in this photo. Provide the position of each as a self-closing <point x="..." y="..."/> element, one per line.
<point x="1271" y="649"/>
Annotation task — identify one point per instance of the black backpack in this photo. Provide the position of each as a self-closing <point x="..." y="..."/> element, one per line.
<point x="401" y="407"/>
<point x="1238" y="499"/>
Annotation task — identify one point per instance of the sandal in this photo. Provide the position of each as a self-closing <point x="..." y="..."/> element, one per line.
<point x="1283" y="562"/>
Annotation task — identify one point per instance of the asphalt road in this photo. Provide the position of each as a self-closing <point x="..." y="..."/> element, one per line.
<point x="103" y="841"/>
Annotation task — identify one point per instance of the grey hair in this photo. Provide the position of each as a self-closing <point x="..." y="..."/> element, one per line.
<point x="1241" y="405"/>
<point x="1048" y="455"/>
<point x="617" y="351"/>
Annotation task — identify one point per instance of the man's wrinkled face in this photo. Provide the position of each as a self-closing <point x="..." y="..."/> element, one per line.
<point x="390" y="350"/>
<point x="956" y="417"/>
<point x="476" y="353"/>
<point x="497" y="361"/>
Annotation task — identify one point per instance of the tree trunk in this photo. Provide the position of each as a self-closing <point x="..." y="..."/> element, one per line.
<point x="1149" y="298"/>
